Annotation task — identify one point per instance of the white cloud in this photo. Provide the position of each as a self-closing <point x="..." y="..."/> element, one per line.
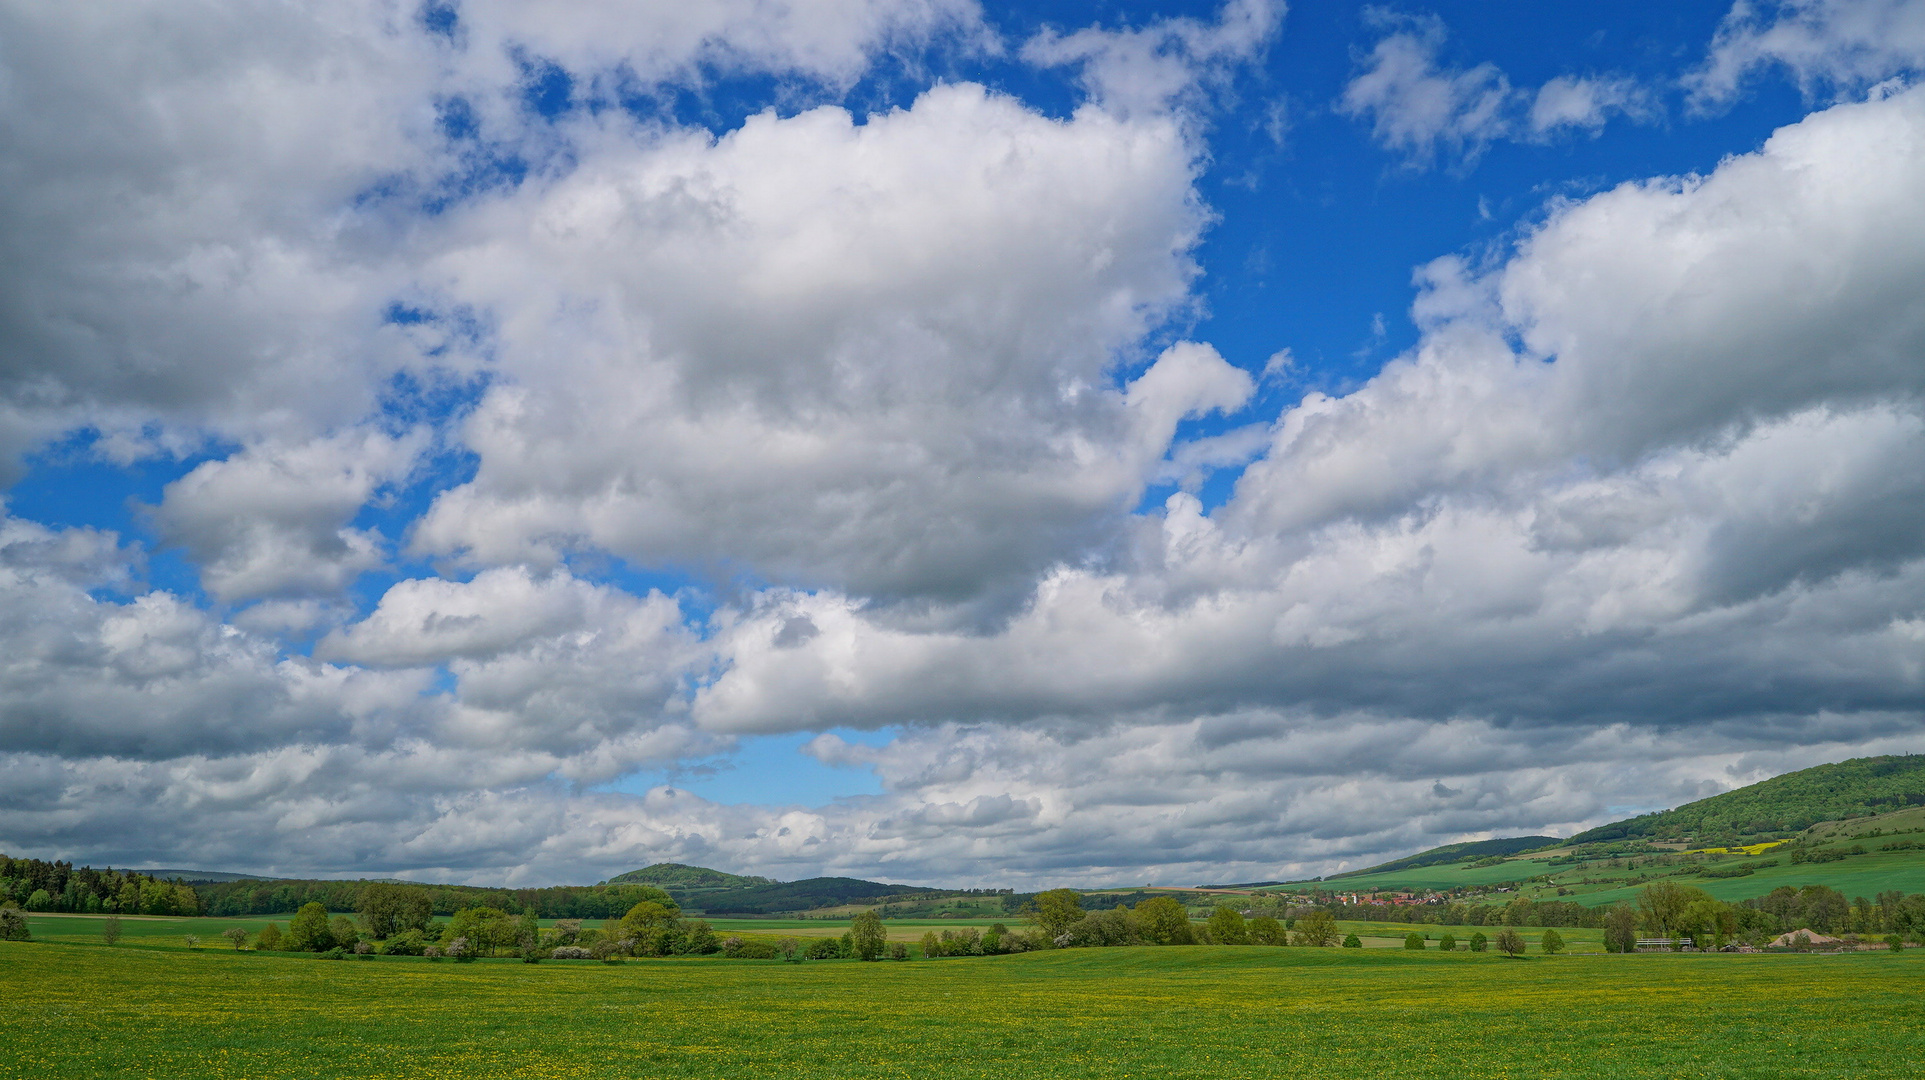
<point x="873" y="356"/>
<point x="1131" y="72"/>
<point x="273" y="520"/>
<point x="1424" y="108"/>
<point x="1838" y="45"/>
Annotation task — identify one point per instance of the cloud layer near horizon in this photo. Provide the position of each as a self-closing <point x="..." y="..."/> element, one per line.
<point x="1641" y="516"/>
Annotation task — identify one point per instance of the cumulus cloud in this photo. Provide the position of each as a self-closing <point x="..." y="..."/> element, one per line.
<point x="878" y="357"/>
<point x="1424" y="108"/>
<point x="1842" y="46"/>
<point x="1152" y="67"/>
<point x="273" y="520"/>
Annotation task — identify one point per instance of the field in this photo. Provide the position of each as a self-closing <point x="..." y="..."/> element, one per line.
<point x="1216" y="1013"/>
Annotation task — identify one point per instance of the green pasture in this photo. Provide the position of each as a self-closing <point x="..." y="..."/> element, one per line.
<point x="1217" y="1013"/>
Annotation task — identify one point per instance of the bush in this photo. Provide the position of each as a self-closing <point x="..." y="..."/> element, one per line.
<point x="824" y="948"/>
<point x="193" y="941"/>
<point x="13" y="925"/>
<point x="432" y="952"/>
<point x="110" y="931"/>
<point x="900" y="951"/>
<point x="405" y="943"/>
<point x="1551" y="943"/>
<point x="1478" y="941"/>
<point x="1414" y="941"/>
<point x="1265" y="930"/>
<point x="1352" y="941"/>
<point x="731" y="946"/>
<point x="1894" y="943"/>
<point x="336" y="953"/>
<point x="570" y="952"/>
<point x="1447" y="943"/>
<point x="460" y="951"/>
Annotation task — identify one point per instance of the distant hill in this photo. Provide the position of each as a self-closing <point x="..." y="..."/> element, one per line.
<point x="716" y="892"/>
<point x="1783" y="804"/>
<point x="670" y="875"/>
<point x="1450" y="853"/>
<point x="193" y="877"/>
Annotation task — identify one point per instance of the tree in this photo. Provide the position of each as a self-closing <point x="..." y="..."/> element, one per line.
<point x="269" y="941"/>
<point x="1894" y="943"/>
<point x="1509" y="942"/>
<point x="13" y="925"/>
<point x="1662" y="905"/>
<point x="1227" y="926"/>
<point x="388" y="909"/>
<point x="110" y="929"/>
<point x="701" y="938"/>
<point x="931" y="945"/>
<point x="235" y="936"/>
<point x="1317" y="930"/>
<point x="193" y="941"/>
<point x="1266" y="930"/>
<point x="1478" y="941"/>
<point x="1551" y="943"/>
<point x="1162" y="920"/>
<point x="1447" y="943"/>
<point x="308" y="930"/>
<point x="1057" y="910"/>
<point x="38" y="901"/>
<point x="1620" y="929"/>
<point x="1352" y="941"/>
<point x="866" y="934"/>
<point x="343" y="930"/>
<point x="1414" y="941"/>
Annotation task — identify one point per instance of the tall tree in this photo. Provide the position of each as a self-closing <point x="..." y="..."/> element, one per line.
<point x="866" y="934"/>
<point x="1317" y="929"/>
<point x="1057" y="910"/>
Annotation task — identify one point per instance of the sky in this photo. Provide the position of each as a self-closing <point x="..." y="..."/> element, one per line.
<point x="953" y="443"/>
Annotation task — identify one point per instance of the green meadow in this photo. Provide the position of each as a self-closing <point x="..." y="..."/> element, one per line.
<point x="1216" y="1013"/>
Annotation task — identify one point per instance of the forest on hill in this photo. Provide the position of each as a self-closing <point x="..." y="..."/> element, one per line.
<point x="1783" y="804"/>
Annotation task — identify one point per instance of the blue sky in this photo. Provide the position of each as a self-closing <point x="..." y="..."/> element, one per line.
<point x="984" y="444"/>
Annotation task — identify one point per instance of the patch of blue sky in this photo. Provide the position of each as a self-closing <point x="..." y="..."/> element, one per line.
<point x="766" y="770"/>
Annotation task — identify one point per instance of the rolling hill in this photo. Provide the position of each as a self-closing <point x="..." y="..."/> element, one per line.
<point x="1783" y="804"/>
<point x="714" y="892"/>
<point x="1857" y="826"/>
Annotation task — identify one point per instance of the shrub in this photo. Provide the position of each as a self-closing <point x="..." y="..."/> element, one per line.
<point x="1448" y="942"/>
<point x="460" y="952"/>
<point x="757" y="950"/>
<point x="931" y="945"/>
<point x="110" y="930"/>
<point x="432" y="952"/>
<point x="1352" y="941"/>
<point x="1894" y="943"/>
<point x="731" y="946"/>
<point x="900" y="951"/>
<point x="336" y="953"/>
<point x="405" y="943"/>
<point x="1265" y="930"/>
<point x="1414" y="941"/>
<point x="570" y="952"/>
<point x="13" y="925"/>
<point x="824" y="948"/>
<point x="1551" y="943"/>
<point x="269" y="939"/>
<point x="193" y="941"/>
<point x="1478" y="941"/>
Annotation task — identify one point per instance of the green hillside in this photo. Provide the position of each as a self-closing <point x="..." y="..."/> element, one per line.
<point x="1471" y="850"/>
<point x="1783" y="804"/>
<point x="669" y="875"/>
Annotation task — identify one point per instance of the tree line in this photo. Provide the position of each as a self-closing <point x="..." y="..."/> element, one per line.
<point x="35" y="885"/>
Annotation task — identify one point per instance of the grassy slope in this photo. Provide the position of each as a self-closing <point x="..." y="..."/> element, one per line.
<point x="1786" y="803"/>
<point x="1220" y="1014"/>
<point x="1858" y="875"/>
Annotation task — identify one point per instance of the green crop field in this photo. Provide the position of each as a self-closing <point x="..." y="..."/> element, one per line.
<point x="1217" y="1013"/>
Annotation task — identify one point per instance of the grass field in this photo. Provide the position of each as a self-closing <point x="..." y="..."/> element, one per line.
<point x="1216" y="1013"/>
